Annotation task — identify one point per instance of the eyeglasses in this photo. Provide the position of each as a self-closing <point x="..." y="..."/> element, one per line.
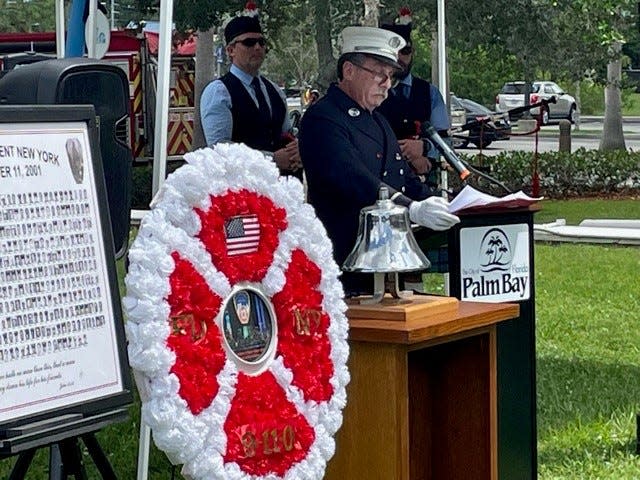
<point x="380" y="77"/>
<point x="251" y="42"/>
<point x="406" y="50"/>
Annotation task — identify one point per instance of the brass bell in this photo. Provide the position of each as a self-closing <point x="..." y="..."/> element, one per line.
<point x="385" y="246"/>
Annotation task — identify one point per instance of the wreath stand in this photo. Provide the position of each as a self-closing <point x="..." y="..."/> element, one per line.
<point x="62" y="435"/>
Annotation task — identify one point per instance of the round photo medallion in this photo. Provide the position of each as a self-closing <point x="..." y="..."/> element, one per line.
<point x="248" y="323"/>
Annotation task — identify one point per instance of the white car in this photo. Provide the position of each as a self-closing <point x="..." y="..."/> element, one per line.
<point x="512" y="96"/>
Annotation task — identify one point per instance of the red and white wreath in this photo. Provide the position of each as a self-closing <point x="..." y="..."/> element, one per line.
<point x="228" y="400"/>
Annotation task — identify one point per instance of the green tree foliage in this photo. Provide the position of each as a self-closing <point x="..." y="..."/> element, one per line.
<point x="27" y="15"/>
<point x="294" y="59"/>
<point x="193" y="14"/>
<point x="604" y="27"/>
<point x="478" y="73"/>
<point x="517" y="27"/>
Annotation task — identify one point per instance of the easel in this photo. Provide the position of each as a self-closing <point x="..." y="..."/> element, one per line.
<point x="62" y="435"/>
<point x="65" y="458"/>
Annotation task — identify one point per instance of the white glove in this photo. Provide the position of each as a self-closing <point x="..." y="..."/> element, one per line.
<point x="432" y="213"/>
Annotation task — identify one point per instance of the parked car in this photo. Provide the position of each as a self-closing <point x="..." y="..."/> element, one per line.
<point x="512" y="96"/>
<point x="481" y="126"/>
<point x="298" y="100"/>
<point x="295" y="101"/>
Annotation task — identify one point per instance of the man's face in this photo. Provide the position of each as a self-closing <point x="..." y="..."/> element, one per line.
<point x="243" y="313"/>
<point x="405" y="59"/>
<point x="248" y="57"/>
<point x="368" y="83"/>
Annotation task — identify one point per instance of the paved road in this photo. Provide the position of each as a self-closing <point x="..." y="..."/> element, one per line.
<point x="587" y="137"/>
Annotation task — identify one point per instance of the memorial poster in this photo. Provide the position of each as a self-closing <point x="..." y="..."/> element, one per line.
<point x="58" y="341"/>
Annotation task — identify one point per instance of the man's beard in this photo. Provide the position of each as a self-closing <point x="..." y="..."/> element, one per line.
<point x="405" y="71"/>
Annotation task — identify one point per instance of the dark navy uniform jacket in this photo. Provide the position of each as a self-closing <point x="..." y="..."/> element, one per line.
<point x="348" y="153"/>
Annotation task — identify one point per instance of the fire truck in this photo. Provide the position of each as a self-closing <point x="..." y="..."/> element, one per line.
<point x="136" y="54"/>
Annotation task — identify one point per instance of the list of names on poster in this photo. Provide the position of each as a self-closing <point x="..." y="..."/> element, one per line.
<point x="49" y="289"/>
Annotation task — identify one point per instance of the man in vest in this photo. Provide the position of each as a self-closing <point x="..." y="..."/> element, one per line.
<point x="244" y="106"/>
<point x="411" y="103"/>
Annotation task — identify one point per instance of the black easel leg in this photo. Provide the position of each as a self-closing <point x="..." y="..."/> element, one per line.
<point x="638" y="433"/>
<point x="72" y="458"/>
<point x="56" y="467"/>
<point x="19" y="470"/>
<point x="98" y="456"/>
<point x="65" y="459"/>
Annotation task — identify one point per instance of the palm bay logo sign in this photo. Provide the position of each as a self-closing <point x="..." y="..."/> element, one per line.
<point x="494" y="263"/>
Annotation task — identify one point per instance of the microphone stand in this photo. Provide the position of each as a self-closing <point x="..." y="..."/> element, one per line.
<point x="449" y="157"/>
<point x="489" y="178"/>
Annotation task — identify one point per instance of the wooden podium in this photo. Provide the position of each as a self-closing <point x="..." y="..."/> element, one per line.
<point x="422" y="401"/>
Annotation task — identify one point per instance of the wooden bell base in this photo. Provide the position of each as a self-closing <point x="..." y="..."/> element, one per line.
<point x="412" y="309"/>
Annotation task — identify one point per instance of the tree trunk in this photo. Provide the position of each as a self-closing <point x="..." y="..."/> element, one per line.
<point x="612" y="135"/>
<point x="371" y="13"/>
<point x="326" y="62"/>
<point x="205" y="65"/>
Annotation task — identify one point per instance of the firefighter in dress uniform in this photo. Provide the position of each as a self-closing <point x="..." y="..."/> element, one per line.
<point x="349" y="150"/>
<point x="245" y="107"/>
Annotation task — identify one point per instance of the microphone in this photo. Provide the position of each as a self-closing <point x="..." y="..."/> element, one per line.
<point x="446" y="151"/>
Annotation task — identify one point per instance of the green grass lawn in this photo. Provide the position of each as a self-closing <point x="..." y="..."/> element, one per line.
<point x="631" y="106"/>
<point x="588" y="360"/>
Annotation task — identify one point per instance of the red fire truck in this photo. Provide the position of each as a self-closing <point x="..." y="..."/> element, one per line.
<point x="136" y="54"/>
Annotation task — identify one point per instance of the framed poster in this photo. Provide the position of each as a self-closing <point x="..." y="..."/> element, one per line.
<point x="62" y="343"/>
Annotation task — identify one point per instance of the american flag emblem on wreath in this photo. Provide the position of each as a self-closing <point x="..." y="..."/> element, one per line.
<point x="242" y="234"/>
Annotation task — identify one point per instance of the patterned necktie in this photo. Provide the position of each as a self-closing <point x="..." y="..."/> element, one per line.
<point x="262" y="102"/>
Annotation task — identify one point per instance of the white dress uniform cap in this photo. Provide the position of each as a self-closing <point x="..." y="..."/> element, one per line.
<point x="372" y="41"/>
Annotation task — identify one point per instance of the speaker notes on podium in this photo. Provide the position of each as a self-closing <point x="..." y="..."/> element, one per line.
<point x="470" y="198"/>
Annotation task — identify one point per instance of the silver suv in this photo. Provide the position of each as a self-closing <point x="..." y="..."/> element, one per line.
<point x="512" y="96"/>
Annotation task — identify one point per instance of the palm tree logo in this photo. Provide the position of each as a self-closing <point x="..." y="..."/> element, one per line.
<point x="495" y="249"/>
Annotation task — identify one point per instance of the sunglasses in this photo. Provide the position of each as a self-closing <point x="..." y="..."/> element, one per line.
<point x="251" y="42"/>
<point x="406" y="50"/>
